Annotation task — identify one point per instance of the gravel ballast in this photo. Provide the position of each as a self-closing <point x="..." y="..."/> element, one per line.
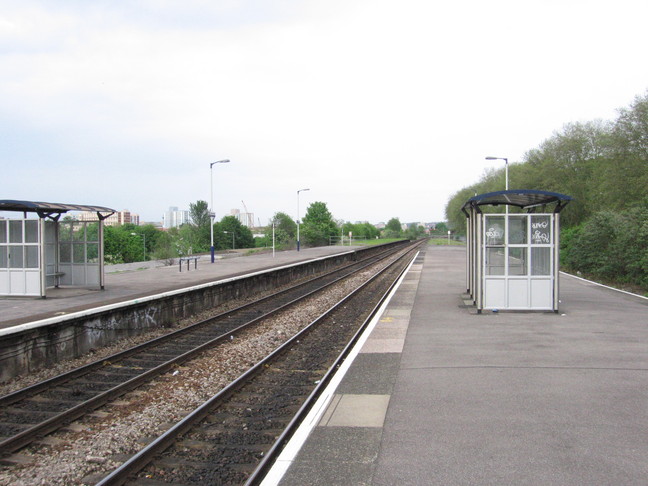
<point x="92" y="447"/>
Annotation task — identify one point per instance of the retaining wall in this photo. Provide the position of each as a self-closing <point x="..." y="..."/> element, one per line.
<point x="41" y="344"/>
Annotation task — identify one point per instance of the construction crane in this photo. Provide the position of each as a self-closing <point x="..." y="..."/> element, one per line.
<point x="249" y="218"/>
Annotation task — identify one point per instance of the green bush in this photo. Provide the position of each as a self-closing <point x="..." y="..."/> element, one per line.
<point x="612" y="246"/>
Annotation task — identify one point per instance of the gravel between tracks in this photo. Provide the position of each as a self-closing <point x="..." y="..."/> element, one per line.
<point x="100" y="442"/>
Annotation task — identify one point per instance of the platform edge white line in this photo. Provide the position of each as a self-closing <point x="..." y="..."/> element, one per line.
<point x="288" y="455"/>
<point x="604" y="286"/>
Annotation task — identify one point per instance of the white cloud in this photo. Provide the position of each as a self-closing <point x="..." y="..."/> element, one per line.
<point x="384" y="109"/>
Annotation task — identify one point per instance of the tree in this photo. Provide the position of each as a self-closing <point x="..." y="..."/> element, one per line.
<point x="285" y="230"/>
<point x="393" y="228"/>
<point x="200" y="220"/>
<point x="414" y="231"/>
<point x="165" y="248"/>
<point x="454" y="216"/>
<point x="148" y="237"/>
<point x="318" y="225"/>
<point x="188" y="241"/>
<point x="229" y="233"/>
<point x="360" y="230"/>
<point x="199" y="213"/>
<point x="441" y="228"/>
<point x="370" y="231"/>
<point x="122" y="244"/>
<point x="611" y="246"/>
<point x="623" y="180"/>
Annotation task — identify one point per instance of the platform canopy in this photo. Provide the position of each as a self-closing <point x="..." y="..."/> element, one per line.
<point x="528" y="199"/>
<point x="52" y="210"/>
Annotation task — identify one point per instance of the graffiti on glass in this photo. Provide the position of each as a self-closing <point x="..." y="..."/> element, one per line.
<point x="540" y="232"/>
<point x="494" y="234"/>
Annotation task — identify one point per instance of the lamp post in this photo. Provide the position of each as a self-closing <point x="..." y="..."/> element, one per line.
<point x="506" y="174"/>
<point x="227" y="232"/>
<point x="506" y="167"/>
<point x="144" y="242"/>
<point x="298" y="215"/>
<point x="211" y="205"/>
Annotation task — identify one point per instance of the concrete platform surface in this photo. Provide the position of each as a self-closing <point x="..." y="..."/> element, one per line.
<point x="441" y="395"/>
<point x="134" y="280"/>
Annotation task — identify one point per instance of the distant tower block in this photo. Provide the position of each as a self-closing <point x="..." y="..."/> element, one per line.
<point x="246" y="219"/>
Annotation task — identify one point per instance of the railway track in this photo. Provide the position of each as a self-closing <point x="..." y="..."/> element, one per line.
<point x="234" y="437"/>
<point x="31" y="413"/>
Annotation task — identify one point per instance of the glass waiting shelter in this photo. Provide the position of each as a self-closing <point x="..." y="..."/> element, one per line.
<point x="41" y="252"/>
<point x="513" y="258"/>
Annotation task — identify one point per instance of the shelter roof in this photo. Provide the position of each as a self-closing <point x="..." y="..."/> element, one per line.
<point x="45" y="209"/>
<point x="522" y="198"/>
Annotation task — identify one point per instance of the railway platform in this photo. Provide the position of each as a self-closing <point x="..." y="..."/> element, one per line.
<point x="130" y="281"/>
<point x="438" y="394"/>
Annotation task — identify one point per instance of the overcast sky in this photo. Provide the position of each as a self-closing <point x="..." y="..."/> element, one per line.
<point x="381" y="108"/>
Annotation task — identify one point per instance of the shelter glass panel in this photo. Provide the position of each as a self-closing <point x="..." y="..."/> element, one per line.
<point x="517" y="230"/>
<point x="3" y="257"/>
<point x="494" y="261"/>
<point x="65" y="231"/>
<point x="3" y="232"/>
<point x="50" y="232"/>
<point x="93" y="252"/>
<point x="517" y="261"/>
<point x="15" y="231"/>
<point x="495" y="230"/>
<point x="541" y="230"/>
<point x="92" y="232"/>
<point x="31" y="231"/>
<point x="541" y="260"/>
<point x="79" y="253"/>
<point x="78" y="232"/>
<point x="65" y="253"/>
<point x="15" y="256"/>
<point x="31" y="256"/>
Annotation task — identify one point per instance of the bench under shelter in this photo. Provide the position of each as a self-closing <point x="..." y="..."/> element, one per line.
<point x="513" y="258"/>
<point x="45" y="251"/>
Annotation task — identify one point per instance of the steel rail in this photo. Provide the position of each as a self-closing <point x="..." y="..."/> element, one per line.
<point x="140" y="460"/>
<point x="31" y="390"/>
<point x="271" y="456"/>
<point x="25" y="437"/>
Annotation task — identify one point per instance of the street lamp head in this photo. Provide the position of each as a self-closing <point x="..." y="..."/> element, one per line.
<point x="224" y="161"/>
<point x="302" y="190"/>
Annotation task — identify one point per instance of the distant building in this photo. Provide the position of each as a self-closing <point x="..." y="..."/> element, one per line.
<point x="115" y="219"/>
<point x="175" y="217"/>
<point x="246" y="219"/>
